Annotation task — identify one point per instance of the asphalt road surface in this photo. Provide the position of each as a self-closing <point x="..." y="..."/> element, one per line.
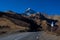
<point x="30" y="36"/>
<point x="22" y="36"/>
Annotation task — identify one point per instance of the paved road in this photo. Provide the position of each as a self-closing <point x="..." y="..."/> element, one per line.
<point x="22" y="36"/>
<point x="31" y="36"/>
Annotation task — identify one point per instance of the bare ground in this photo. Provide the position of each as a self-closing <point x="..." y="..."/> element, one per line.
<point x="47" y="36"/>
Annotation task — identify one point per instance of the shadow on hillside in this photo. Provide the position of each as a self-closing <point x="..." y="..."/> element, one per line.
<point x="33" y="26"/>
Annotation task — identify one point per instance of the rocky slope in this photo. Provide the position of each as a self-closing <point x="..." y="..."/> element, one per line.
<point x="35" y="21"/>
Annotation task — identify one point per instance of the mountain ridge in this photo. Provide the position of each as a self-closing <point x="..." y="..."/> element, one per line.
<point x="34" y="22"/>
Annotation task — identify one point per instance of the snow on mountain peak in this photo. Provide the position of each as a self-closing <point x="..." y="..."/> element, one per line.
<point x="28" y="9"/>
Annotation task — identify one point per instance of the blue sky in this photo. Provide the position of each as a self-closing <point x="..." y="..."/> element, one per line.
<point x="50" y="7"/>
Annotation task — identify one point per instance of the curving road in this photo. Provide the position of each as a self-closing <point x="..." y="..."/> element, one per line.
<point x="22" y="36"/>
<point x="30" y="36"/>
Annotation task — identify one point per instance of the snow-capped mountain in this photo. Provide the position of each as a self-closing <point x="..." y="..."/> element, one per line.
<point x="29" y="11"/>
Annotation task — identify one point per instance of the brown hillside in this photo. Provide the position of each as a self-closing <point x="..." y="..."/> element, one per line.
<point x="11" y="22"/>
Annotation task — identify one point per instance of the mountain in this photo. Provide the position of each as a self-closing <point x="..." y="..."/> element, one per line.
<point x="36" y="21"/>
<point x="11" y="22"/>
<point x="29" y="11"/>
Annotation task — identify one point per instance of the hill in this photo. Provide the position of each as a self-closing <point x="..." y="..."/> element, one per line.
<point x="36" y="21"/>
